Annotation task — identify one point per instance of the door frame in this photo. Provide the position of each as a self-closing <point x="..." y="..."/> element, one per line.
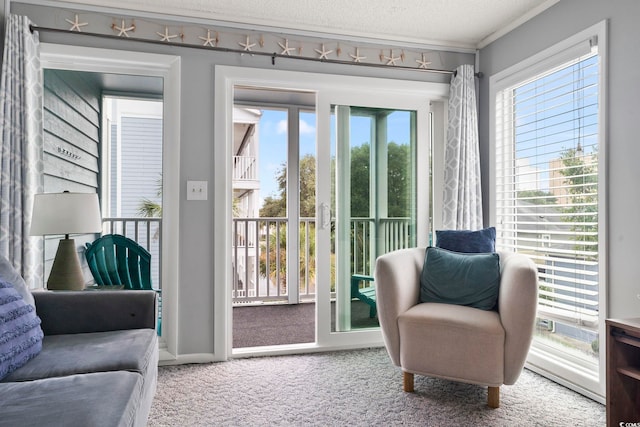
<point x="99" y="60"/>
<point x="329" y="89"/>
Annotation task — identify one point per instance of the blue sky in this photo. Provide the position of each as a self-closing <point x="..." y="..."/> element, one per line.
<point x="273" y="145"/>
<point x="273" y="140"/>
<point x="553" y="114"/>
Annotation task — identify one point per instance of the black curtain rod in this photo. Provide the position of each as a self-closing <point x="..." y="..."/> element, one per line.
<point x="478" y="74"/>
<point x="273" y="55"/>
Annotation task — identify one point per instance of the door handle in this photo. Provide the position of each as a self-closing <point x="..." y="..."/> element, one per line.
<point x="325" y="216"/>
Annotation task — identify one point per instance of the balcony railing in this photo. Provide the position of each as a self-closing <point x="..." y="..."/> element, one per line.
<point x="147" y="232"/>
<point x="245" y="168"/>
<point x="259" y="259"/>
<point x="259" y="254"/>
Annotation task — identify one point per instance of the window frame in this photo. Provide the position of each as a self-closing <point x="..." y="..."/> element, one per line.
<point x="545" y="361"/>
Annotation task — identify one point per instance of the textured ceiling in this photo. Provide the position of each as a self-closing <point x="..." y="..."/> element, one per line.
<point x="451" y="23"/>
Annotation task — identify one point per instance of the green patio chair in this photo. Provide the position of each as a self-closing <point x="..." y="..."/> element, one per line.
<point x="365" y="294"/>
<point x="116" y="260"/>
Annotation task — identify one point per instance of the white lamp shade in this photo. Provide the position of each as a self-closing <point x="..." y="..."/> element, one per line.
<point x="65" y="213"/>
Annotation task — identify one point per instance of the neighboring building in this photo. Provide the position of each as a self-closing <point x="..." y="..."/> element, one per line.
<point x="135" y="154"/>
<point x="568" y="285"/>
<point x="557" y="181"/>
<point x="134" y="157"/>
<point x="527" y="177"/>
<point x="246" y="199"/>
<point x="246" y="184"/>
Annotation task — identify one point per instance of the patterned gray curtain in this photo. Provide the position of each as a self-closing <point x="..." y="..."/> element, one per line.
<point x="21" y="147"/>
<point x="462" y="192"/>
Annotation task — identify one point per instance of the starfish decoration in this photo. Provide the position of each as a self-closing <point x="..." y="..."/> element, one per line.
<point x="75" y="24"/>
<point x="423" y="63"/>
<point x="391" y="60"/>
<point x="247" y="45"/>
<point x="286" y="50"/>
<point x="123" y="30"/>
<point x="166" y="37"/>
<point x="357" y="57"/>
<point x="323" y="53"/>
<point x="208" y="41"/>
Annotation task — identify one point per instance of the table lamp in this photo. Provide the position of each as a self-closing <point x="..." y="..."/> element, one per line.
<point x="65" y="213"/>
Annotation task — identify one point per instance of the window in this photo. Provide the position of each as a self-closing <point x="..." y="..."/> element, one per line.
<point x="546" y="203"/>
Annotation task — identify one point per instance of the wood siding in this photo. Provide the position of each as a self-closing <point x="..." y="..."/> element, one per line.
<point x="71" y="132"/>
<point x="72" y="118"/>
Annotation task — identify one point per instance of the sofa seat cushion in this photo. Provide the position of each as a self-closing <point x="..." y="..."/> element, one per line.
<point x="129" y="350"/>
<point x="456" y="329"/>
<point x="98" y="399"/>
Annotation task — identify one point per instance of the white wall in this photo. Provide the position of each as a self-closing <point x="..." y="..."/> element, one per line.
<point x="564" y="19"/>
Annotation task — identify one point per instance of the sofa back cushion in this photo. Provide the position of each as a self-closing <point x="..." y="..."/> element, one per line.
<point x="10" y="275"/>
<point x="20" y="331"/>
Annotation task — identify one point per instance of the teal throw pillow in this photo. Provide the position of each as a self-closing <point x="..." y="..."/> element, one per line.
<point x="467" y="241"/>
<point x="471" y="279"/>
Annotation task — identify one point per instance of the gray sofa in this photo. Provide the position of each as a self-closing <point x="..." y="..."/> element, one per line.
<point x="98" y="365"/>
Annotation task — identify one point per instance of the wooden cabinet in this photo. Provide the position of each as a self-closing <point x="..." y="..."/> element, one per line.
<point x="623" y="371"/>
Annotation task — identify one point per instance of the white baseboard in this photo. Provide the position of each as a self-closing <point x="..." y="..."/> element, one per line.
<point x="168" y="359"/>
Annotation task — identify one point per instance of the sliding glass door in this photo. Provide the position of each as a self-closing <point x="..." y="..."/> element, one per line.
<point x="374" y="198"/>
<point x="372" y="185"/>
<point x="369" y="149"/>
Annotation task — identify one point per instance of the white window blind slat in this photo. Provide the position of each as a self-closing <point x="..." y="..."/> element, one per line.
<point x="546" y="184"/>
<point x="586" y="319"/>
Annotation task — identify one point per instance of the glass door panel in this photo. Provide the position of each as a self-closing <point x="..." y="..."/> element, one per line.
<point x="374" y="198"/>
<point x="274" y="226"/>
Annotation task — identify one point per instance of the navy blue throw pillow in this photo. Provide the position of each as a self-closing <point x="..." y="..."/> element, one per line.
<point x="458" y="278"/>
<point x="20" y="331"/>
<point x="467" y="241"/>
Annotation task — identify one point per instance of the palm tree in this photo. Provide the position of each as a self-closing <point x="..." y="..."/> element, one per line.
<point x="149" y="208"/>
<point x="278" y="256"/>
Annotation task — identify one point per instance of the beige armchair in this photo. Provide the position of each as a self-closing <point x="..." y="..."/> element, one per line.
<point x="456" y="342"/>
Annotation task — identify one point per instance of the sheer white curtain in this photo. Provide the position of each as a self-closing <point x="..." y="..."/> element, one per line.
<point x="462" y="204"/>
<point x="21" y="142"/>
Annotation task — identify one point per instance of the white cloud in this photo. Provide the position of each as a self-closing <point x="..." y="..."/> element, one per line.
<point x="305" y="128"/>
<point x="282" y="127"/>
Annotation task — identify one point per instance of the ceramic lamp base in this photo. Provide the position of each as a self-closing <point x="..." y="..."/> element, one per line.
<point x="65" y="272"/>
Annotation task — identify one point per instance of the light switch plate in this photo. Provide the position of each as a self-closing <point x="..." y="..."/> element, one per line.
<point x="196" y="190"/>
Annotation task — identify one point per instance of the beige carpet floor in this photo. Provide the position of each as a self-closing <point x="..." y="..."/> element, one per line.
<point x="352" y="388"/>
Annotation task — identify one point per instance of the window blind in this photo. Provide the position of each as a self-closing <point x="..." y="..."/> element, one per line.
<point x="547" y="184"/>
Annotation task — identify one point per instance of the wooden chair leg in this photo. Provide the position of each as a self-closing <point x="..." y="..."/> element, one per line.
<point x="407" y="378"/>
<point x="493" y="397"/>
